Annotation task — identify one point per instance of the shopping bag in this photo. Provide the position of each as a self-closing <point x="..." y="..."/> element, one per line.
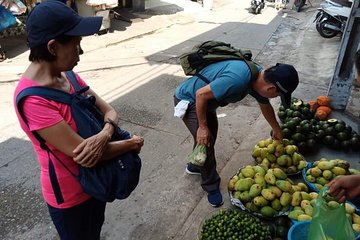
<point x="198" y="155"/>
<point x="329" y="220"/>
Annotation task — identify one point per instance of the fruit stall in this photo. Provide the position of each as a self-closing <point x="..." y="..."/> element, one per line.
<point x="281" y="195"/>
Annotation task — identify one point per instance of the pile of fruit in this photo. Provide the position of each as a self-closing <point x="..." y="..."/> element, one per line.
<point x="274" y="154"/>
<point x="303" y="211"/>
<point x="321" y="106"/>
<point x="321" y="172"/>
<point x="231" y="224"/>
<point x="336" y="134"/>
<point x="304" y="127"/>
<point x="298" y="125"/>
<point x="268" y="192"/>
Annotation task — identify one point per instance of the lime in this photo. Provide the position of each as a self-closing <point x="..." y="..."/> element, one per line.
<point x="305" y="110"/>
<point x="328" y="140"/>
<point x="339" y="127"/>
<point x="289" y="112"/>
<point x="355" y="143"/>
<point x="307" y="128"/>
<point x="296" y="114"/>
<point x="330" y="131"/>
<point x="303" y="122"/>
<point x="286" y="133"/>
<point x="297" y="120"/>
<point x="298" y="129"/>
<point x="311" y="144"/>
<point x="345" y="145"/>
<point x="348" y="129"/>
<point x="342" y="136"/>
<point x="282" y="115"/>
<point x="290" y="124"/>
<point x="298" y="137"/>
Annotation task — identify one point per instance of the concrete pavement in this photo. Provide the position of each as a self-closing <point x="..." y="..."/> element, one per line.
<point x="134" y="68"/>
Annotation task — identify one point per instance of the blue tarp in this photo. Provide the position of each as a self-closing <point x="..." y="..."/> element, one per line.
<point x="7" y="19"/>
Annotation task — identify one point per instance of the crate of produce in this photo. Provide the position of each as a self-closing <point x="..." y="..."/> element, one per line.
<point x="319" y="173"/>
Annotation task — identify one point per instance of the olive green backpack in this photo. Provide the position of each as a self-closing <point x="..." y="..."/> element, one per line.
<point x="210" y="52"/>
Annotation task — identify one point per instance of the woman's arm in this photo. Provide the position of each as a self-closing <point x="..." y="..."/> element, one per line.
<point x="92" y="148"/>
<point x="62" y="137"/>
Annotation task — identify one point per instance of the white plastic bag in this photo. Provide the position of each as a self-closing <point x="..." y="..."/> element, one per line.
<point x="180" y="108"/>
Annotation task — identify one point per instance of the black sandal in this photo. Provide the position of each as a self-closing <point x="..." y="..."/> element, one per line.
<point x="2" y="55"/>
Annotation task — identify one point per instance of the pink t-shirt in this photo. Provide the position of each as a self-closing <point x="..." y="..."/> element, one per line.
<point x="42" y="113"/>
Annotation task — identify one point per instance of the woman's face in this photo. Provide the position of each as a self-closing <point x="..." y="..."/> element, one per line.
<point x="68" y="54"/>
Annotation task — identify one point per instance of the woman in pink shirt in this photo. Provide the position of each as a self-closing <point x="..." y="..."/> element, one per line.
<point x="54" y="34"/>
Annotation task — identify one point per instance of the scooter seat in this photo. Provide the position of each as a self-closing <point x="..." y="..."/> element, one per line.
<point x="344" y="3"/>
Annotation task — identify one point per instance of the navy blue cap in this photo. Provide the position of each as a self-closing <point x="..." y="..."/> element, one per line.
<point x="53" y="18"/>
<point x="285" y="78"/>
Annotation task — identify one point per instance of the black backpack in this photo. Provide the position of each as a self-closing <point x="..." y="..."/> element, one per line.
<point x="113" y="179"/>
<point x="210" y="52"/>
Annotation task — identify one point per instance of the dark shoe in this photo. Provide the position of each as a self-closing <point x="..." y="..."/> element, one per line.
<point x="190" y="169"/>
<point x="215" y="198"/>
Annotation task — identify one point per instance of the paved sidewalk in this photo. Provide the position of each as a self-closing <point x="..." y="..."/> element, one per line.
<point x="134" y="68"/>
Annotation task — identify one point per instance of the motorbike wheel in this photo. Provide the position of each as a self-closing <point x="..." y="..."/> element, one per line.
<point x="325" y="33"/>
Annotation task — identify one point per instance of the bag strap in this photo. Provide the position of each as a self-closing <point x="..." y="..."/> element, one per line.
<point x="73" y="81"/>
<point x="253" y="69"/>
<point x="58" y="96"/>
<point x="202" y="78"/>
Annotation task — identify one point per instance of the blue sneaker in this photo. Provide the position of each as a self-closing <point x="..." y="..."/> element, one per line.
<point x="215" y="198"/>
<point x="192" y="170"/>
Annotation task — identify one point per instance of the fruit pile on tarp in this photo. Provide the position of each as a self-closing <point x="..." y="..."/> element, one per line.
<point x="298" y="125"/>
<point x="232" y="224"/>
<point x="304" y="129"/>
<point x="274" y="154"/>
<point x="337" y="135"/>
<point x="265" y="192"/>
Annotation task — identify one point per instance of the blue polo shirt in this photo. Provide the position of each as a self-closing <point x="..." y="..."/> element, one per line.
<point x="230" y="82"/>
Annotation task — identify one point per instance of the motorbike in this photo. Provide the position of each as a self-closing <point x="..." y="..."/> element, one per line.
<point x="332" y="16"/>
<point x="257" y="5"/>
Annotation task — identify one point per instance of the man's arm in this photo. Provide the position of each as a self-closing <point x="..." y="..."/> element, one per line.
<point x="269" y="114"/>
<point x="203" y="95"/>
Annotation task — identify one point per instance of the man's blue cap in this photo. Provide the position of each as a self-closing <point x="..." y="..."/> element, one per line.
<point x="285" y="78"/>
<point x="52" y="18"/>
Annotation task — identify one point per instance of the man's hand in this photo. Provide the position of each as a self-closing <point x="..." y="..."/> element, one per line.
<point x="277" y="135"/>
<point x="89" y="152"/>
<point x="345" y="187"/>
<point x="269" y="114"/>
<point x="203" y="136"/>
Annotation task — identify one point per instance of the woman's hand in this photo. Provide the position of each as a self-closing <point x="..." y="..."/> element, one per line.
<point x="89" y="152"/>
